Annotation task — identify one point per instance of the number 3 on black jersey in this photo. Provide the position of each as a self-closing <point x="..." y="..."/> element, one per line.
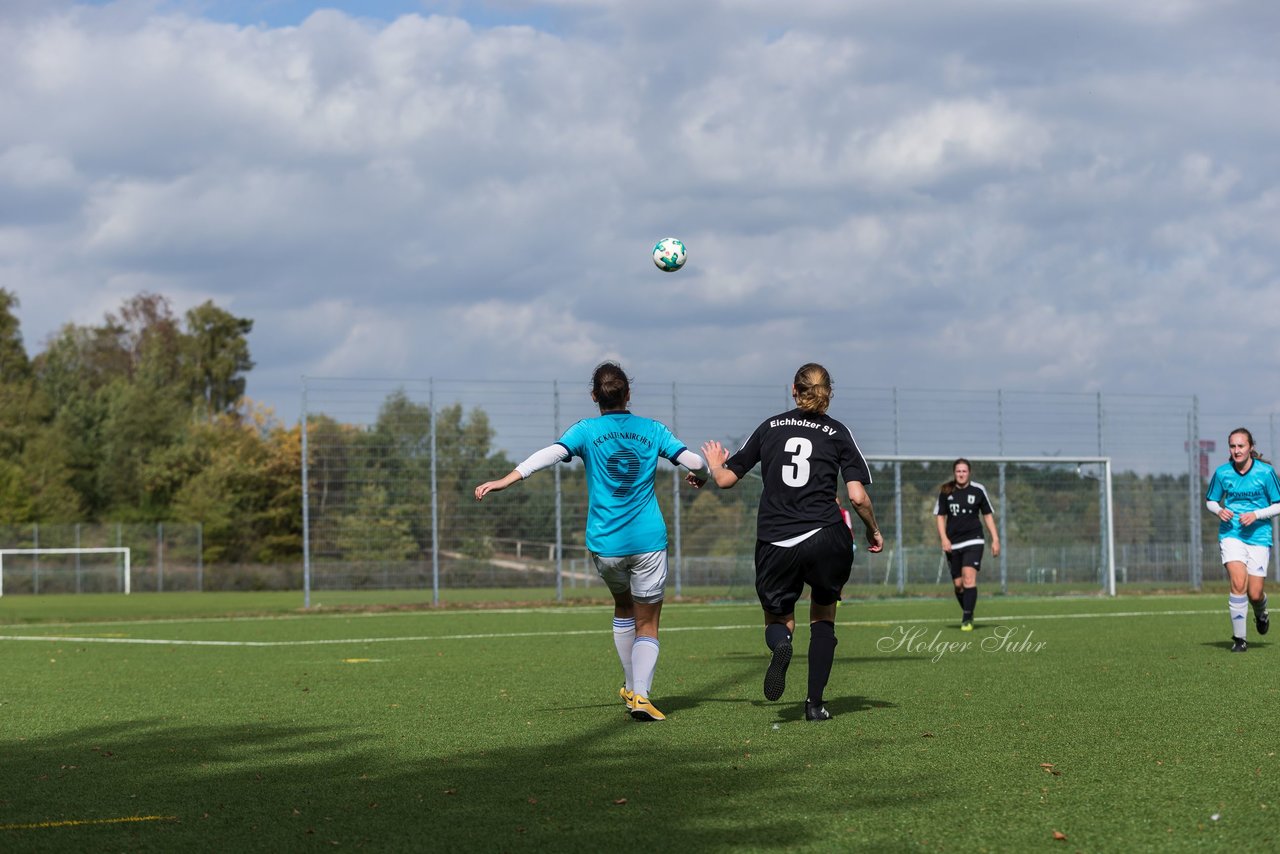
<point x="796" y="473"/>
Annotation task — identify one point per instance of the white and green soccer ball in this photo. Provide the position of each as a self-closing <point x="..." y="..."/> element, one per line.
<point x="669" y="254"/>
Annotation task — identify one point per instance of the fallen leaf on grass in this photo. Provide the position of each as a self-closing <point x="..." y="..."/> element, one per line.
<point x="1060" y="836"/>
<point x="619" y="802"/>
<point x="926" y="735"/>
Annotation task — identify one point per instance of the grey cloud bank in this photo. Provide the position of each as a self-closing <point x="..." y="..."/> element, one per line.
<point x="1068" y="196"/>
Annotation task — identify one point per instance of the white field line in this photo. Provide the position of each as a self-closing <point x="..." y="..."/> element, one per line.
<point x="554" y="634"/>
<point x="552" y="610"/>
<point x="556" y="610"/>
<point x="348" y="615"/>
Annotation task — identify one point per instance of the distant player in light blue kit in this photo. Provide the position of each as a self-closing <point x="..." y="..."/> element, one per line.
<point x="1243" y="494"/>
<point x="626" y="533"/>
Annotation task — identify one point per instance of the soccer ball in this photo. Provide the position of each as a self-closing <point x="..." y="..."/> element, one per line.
<point x="668" y="254"/>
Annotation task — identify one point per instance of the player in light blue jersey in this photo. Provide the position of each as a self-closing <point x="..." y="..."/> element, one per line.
<point x="626" y="534"/>
<point x="1244" y="493"/>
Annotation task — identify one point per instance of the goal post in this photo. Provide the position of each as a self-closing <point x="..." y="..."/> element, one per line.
<point x="120" y="550"/>
<point x="1045" y="485"/>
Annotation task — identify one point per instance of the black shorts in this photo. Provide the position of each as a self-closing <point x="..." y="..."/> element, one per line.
<point x="967" y="556"/>
<point x="823" y="561"/>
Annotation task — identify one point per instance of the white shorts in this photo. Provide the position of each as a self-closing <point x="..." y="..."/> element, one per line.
<point x="1254" y="558"/>
<point x="644" y="575"/>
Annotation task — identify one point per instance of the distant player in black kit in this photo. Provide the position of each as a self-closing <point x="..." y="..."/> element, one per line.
<point x="801" y="536"/>
<point x="961" y="509"/>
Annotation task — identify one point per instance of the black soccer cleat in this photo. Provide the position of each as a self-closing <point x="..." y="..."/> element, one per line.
<point x="815" y="711"/>
<point x="1262" y="622"/>
<point x="775" y="678"/>
<point x="1239" y="645"/>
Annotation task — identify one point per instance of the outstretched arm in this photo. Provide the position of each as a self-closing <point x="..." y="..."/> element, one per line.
<point x="497" y="485"/>
<point x="716" y="456"/>
<point x="537" y="461"/>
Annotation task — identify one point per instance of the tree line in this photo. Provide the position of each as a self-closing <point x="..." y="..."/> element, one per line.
<point x="142" y="418"/>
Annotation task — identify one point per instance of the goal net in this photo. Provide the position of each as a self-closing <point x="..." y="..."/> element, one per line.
<point x="67" y="570"/>
<point x="1054" y="516"/>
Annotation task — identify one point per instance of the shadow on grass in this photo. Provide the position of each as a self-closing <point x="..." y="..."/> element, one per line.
<point x="262" y="787"/>
<point x="468" y="776"/>
<point x="1227" y="644"/>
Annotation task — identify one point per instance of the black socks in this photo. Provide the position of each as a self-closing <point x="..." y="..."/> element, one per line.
<point x="822" y="652"/>
<point x="774" y="634"/>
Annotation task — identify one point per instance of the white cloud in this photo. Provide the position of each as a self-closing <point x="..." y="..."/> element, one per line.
<point x="1076" y="188"/>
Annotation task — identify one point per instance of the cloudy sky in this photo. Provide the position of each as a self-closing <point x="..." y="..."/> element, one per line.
<point x="1065" y="195"/>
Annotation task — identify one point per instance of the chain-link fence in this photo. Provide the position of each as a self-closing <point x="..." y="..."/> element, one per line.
<point x="391" y="466"/>
<point x="163" y="556"/>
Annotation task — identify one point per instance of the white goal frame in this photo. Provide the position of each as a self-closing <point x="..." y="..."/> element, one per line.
<point x="1108" y="511"/>
<point x="128" y="574"/>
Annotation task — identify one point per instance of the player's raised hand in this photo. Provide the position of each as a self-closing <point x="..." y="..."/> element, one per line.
<point x="714" y="453"/>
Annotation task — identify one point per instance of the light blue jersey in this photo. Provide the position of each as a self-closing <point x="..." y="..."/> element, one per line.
<point x="620" y="452"/>
<point x="1242" y="493"/>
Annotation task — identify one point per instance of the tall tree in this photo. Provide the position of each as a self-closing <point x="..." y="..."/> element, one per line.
<point x="151" y="339"/>
<point x="118" y="395"/>
<point x="14" y="363"/>
<point x="240" y="475"/>
<point x="217" y="357"/>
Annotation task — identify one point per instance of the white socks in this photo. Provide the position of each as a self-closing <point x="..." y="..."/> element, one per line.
<point x="644" y="660"/>
<point x="624" y="638"/>
<point x="1239" y="606"/>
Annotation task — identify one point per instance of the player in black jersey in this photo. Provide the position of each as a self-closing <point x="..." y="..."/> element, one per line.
<point x="961" y="510"/>
<point x="801" y="536"/>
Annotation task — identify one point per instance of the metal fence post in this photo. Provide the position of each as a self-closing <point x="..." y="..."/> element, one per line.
<point x="1103" y="509"/>
<point x="159" y="557"/>
<point x="200" y="556"/>
<point x="555" y="429"/>
<point x="1192" y="464"/>
<point x="35" y="577"/>
<point x="1004" y="499"/>
<point x="1195" y="568"/>
<point x="897" y="502"/>
<point x="675" y="499"/>
<point x="306" y="507"/>
<point x="1004" y="530"/>
<point x="435" y="496"/>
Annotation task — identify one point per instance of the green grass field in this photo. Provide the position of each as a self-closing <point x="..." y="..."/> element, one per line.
<point x="151" y="722"/>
